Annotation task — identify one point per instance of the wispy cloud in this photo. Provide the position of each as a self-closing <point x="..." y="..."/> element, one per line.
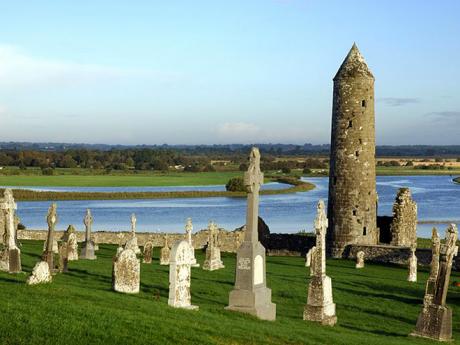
<point x="446" y="117"/>
<point x="18" y="68"/>
<point x="398" y="101"/>
<point x="238" y="130"/>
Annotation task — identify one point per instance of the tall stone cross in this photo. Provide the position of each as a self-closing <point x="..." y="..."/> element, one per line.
<point x="88" y="221"/>
<point x="250" y="294"/>
<point x="319" y="266"/>
<point x="253" y="179"/>
<point x="133" y="224"/>
<point x="8" y="206"/>
<point x="188" y="230"/>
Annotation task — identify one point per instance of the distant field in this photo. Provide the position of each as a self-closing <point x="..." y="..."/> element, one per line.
<point x="128" y="180"/>
<point x="375" y="305"/>
<point x="393" y="171"/>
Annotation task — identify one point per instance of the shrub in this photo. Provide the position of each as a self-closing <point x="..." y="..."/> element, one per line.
<point x="306" y="171"/>
<point x="48" y="171"/>
<point x="286" y="170"/>
<point x="235" y="184"/>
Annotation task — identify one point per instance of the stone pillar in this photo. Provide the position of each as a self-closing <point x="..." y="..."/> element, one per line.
<point x="48" y="254"/>
<point x="435" y="319"/>
<point x="360" y="259"/>
<point x="352" y="202"/>
<point x="165" y="252"/>
<point x="412" y="276"/>
<point x="320" y="306"/>
<point x="180" y="276"/>
<point x="188" y="233"/>
<point x="251" y="294"/>
<point x="213" y="261"/>
<point x="87" y="249"/>
<point x="10" y="260"/>
<point x="403" y="227"/>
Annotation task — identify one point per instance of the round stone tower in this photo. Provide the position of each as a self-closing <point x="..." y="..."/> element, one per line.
<point x="352" y="204"/>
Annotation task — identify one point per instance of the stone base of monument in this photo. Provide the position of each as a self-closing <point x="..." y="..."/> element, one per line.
<point x="320" y="306"/>
<point x="15" y="261"/>
<point x="212" y="265"/>
<point x="87" y="251"/>
<point x="186" y="307"/>
<point x="434" y="323"/>
<point x="257" y="303"/>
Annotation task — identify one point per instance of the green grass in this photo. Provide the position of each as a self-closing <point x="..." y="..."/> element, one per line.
<point x="396" y="171"/>
<point x="127" y="180"/>
<point x="375" y="305"/>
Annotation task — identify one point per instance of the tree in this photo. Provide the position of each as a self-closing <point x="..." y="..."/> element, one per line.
<point x="235" y="184"/>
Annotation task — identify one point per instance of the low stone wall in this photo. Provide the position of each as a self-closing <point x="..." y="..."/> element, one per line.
<point x="394" y="255"/>
<point x="289" y="244"/>
<point x="229" y="240"/>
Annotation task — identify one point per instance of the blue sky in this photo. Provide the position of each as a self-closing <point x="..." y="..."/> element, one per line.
<point x="193" y="72"/>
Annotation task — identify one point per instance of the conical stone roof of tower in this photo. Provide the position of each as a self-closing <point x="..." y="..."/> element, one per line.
<point x="354" y="66"/>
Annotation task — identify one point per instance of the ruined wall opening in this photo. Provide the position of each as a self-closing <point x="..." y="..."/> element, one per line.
<point x="363" y="103"/>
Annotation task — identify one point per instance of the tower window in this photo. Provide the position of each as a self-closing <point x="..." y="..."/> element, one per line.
<point x="357" y="153"/>
<point x="364" y="231"/>
<point x="350" y="124"/>
<point x="354" y="212"/>
<point x="363" y="103"/>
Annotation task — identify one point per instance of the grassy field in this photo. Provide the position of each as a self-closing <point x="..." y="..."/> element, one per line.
<point x="375" y="305"/>
<point x="396" y="171"/>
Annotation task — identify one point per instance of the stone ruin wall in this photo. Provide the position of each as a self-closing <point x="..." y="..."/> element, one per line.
<point x="229" y="240"/>
<point x="403" y="227"/>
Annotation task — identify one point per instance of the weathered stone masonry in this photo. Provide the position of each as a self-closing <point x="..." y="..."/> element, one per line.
<point x="352" y="200"/>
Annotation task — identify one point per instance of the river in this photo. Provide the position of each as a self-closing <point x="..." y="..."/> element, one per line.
<point x="438" y="200"/>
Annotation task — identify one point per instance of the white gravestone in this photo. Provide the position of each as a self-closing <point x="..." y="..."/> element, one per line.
<point x="180" y="276"/>
<point x="126" y="272"/>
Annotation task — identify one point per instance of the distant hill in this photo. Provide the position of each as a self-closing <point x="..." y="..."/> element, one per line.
<point x="274" y="149"/>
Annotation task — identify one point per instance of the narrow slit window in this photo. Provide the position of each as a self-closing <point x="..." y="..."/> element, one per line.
<point x="364" y="231"/>
<point x="354" y="212"/>
<point x="350" y="124"/>
<point x="357" y="153"/>
<point x="363" y="103"/>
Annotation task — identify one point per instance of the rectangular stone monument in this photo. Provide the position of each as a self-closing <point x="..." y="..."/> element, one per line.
<point x="435" y="319"/>
<point x="213" y="260"/>
<point x="180" y="276"/>
<point x="126" y="273"/>
<point x="251" y="294"/>
<point x="48" y="254"/>
<point x="87" y="249"/>
<point x="148" y="250"/>
<point x="320" y="306"/>
<point x="165" y="253"/>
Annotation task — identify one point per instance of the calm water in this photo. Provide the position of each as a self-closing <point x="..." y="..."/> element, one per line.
<point x="438" y="199"/>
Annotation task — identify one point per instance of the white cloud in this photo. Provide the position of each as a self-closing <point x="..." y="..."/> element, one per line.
<point x="238" y="129"/>
<point x="18" y="68"/>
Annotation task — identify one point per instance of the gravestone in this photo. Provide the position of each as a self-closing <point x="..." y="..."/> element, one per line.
<point x="126" y="272"/>
<point x="320" y="306"/>
<point x="360" y="259"/>
<point x="132" y="242"/>
<point x="87" y="249"/>
<point x="310" y="262"/>
<point x="213" y="261"/>
<point x="188" y="232"/>
<point x="435" y="319"/>
<point x="180" y="276"/>
<point x="48" y="254"/>
<point x="250" y="294"/>
<point x="40" y="274"/>
<point x="148" y="251"/>
<point x="412" y="276"/>
<point x="63" y="257"/>
<point x="165" y="253"/>
<point x="72" y="244"/>
<point x="10" y="257"/>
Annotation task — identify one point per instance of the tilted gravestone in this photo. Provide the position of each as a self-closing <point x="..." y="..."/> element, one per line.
<point x="320" y="306"/>
<point x="40" y="274"/>
<point x="213" y="261"/>
<point x="126" y="272"/>
<point x="87" y="249"/>
<point x="250" y="294"/>
<point x="63" y="257"/>
<point x="51" y="219"/>
<point x="148" y="251"/>
<point x="435" y="319"/>
<point x="180" y="276"/>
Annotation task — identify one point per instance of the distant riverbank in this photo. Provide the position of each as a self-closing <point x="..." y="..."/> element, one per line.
<point x="32" y="195"/>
